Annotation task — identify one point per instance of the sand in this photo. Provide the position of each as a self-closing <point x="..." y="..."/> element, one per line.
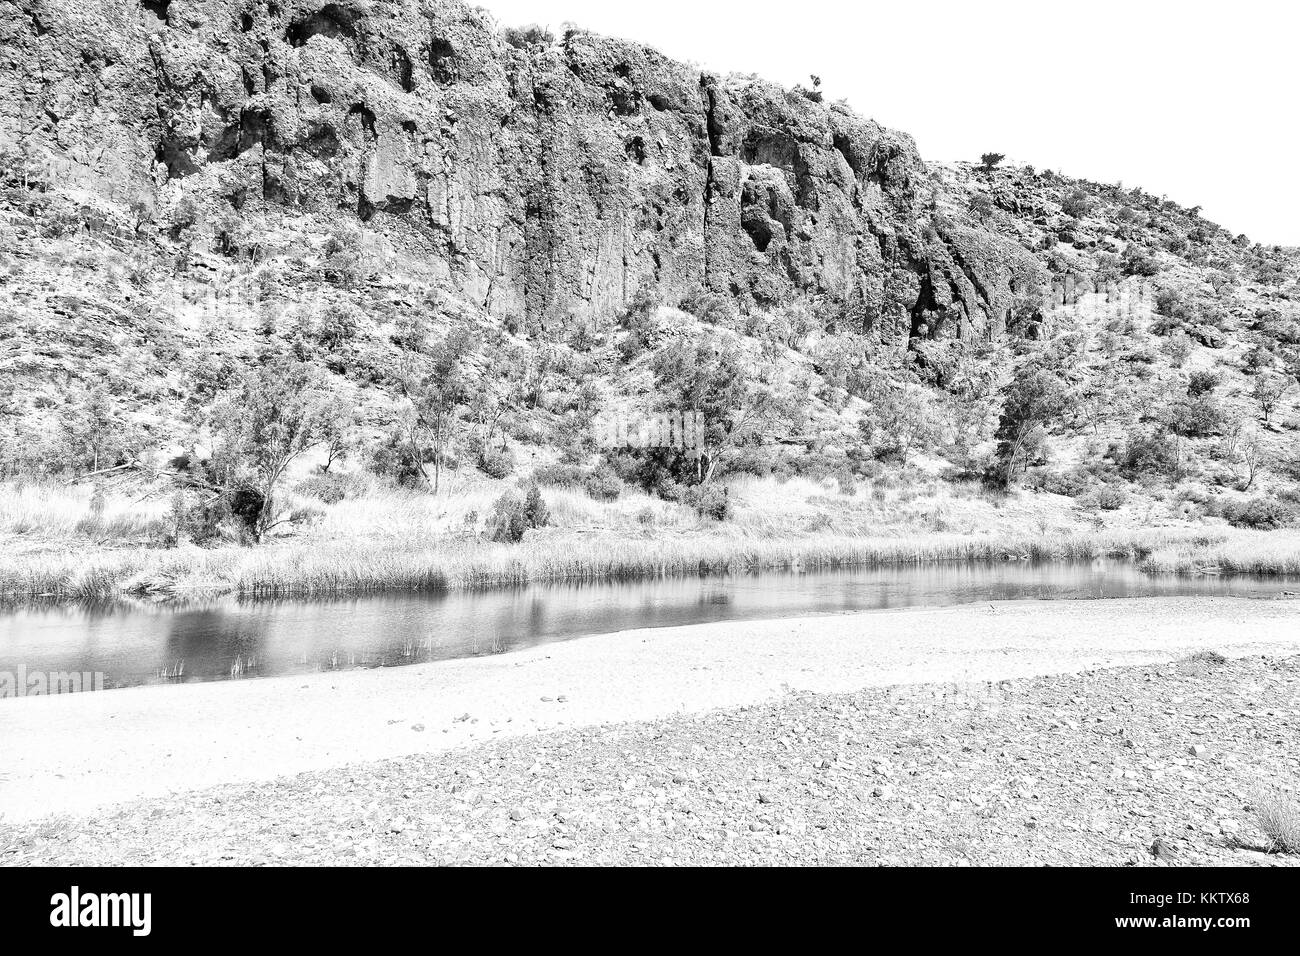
<point x="76" y="753"/>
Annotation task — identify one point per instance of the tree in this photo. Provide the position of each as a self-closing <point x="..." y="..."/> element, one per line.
<point x="265" y="423"/>
<point x="706" y="376"/>
<point x="1100" y="397"/>
<point x="896" y="422"/>
<point x="1251" y="452"/>
<point x="1268" y="391"/>
<point x="981" y="206"/>
<point x="1291" y="362"/>
<point x="91" y="434"/>
<point x="989" y="160"/>
<point x="1034" y="398"/>
<point x="435" y="395"/>
<point x="339" y="421"/>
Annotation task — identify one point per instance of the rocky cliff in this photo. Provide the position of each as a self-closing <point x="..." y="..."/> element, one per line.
<point x="540" y="178"/>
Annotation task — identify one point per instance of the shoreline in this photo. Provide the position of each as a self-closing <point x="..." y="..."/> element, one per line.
<point x="79" y="753"/>
<point x="307" y="569"/>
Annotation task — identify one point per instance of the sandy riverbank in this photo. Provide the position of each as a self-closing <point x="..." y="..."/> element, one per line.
<point x="1188" y="763"/>
<point x="79" y="752"/>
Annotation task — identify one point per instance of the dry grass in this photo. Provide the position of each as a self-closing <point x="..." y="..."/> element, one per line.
<point x="1278" y="817"/>
<point x="316" y="568"/>
<point x="1242" y="552"/>
<point x="393" y="539"/>
<point x="49" y="510"/>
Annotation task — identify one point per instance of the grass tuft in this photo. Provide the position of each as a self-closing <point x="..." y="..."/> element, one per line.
<point x="1278" y="817"/>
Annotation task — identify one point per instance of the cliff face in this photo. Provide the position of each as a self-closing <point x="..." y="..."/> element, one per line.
<point x="540" y="179"/>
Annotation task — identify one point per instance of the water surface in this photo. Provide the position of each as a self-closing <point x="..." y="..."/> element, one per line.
<point x="134" y="644"/>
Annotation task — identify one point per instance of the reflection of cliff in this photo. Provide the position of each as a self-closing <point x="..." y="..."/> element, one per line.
<point x="540" y="178"/>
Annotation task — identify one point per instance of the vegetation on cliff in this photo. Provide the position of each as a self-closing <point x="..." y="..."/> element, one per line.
<point x="387" y="259"/>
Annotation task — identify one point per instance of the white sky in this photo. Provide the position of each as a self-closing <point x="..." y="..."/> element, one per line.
<point x="1193" y="100"/>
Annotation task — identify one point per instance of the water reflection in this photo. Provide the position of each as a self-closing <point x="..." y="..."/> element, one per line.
<point x="234" y="639"/>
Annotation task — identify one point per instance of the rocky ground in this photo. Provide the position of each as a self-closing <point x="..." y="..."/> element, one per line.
<point x="1124" y="766"/>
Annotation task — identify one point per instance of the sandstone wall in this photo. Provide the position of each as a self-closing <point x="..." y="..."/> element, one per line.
<point x="540" y="180"/>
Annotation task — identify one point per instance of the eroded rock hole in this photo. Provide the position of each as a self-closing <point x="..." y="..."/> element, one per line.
<point x="442" y="60"/>
<point x="321" y="141"/>
<point x="758" y="226"/>
<point x="366" y="118"/>
<point x="635" y="149"/>
<point x="403" y="70"/>
<point x="331" y="21"/>
<point x="157" y="7"/>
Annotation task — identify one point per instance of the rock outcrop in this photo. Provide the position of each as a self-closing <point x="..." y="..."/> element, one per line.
<point x="540" y="178"/>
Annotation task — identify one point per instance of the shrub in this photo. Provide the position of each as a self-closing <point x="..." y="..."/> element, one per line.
<point x="981" y="206"/>
<point x="559" y="474"/>
<point x="338" y="326"/>
<point x="1178" y="347"/>
<point x="603" y="484"/>
<point x="1078" y="204"/>
<point x="495" y="462"/>
<point x="1202" y="383"/>
<point x="536" y="514"/>
<point x="1138" y="261"/>
<point x="1072" y="484"/>
<point x="1195" y="417"/>
<point x="410" y="332"/>
<point x="514" y="514"/>
<point x="709" y="501"/>
<point x="1260" y="513"/>
<point x="1111" y="497"/>
<point x="1150" y="453"/>
<point x="393" y="458"/>
<point x="989" y="160"/>
<point x="521" y="38"/>
<point x="331" y="487"/>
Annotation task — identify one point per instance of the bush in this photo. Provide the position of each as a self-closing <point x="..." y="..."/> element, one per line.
<point x="1202" y="383"/>
<point x="203" y="522"/>
<point x="560" y="474"/>
<point x="1260" y="513"/>
<point x="1150" y="453"/>
<point x="709" y="501"/>
<point x="603" y="484"/>
<point x="338" y="326"/>
<point x="1078" y="204"/>
<point x="1110" y="497"/>
<point x="1195" y="417"/>
<point x="514" y="514"/>
<point x="981" y="206"/>
<point x="535" y="511"/>
<point x="1138" y="261"/>
<point x="521" y="38"/>
<point x="393" y="458"/>
<point x="331" y="487"/>
<point x="495" y="462"/>
<point x="1072" y="484"/>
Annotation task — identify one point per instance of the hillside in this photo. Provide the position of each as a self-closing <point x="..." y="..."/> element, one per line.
<point x="430" y="253"/>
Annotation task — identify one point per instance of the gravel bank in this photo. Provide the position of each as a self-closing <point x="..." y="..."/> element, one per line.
<point x="80" y="752"/>
<point x="1091" y="768"/>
